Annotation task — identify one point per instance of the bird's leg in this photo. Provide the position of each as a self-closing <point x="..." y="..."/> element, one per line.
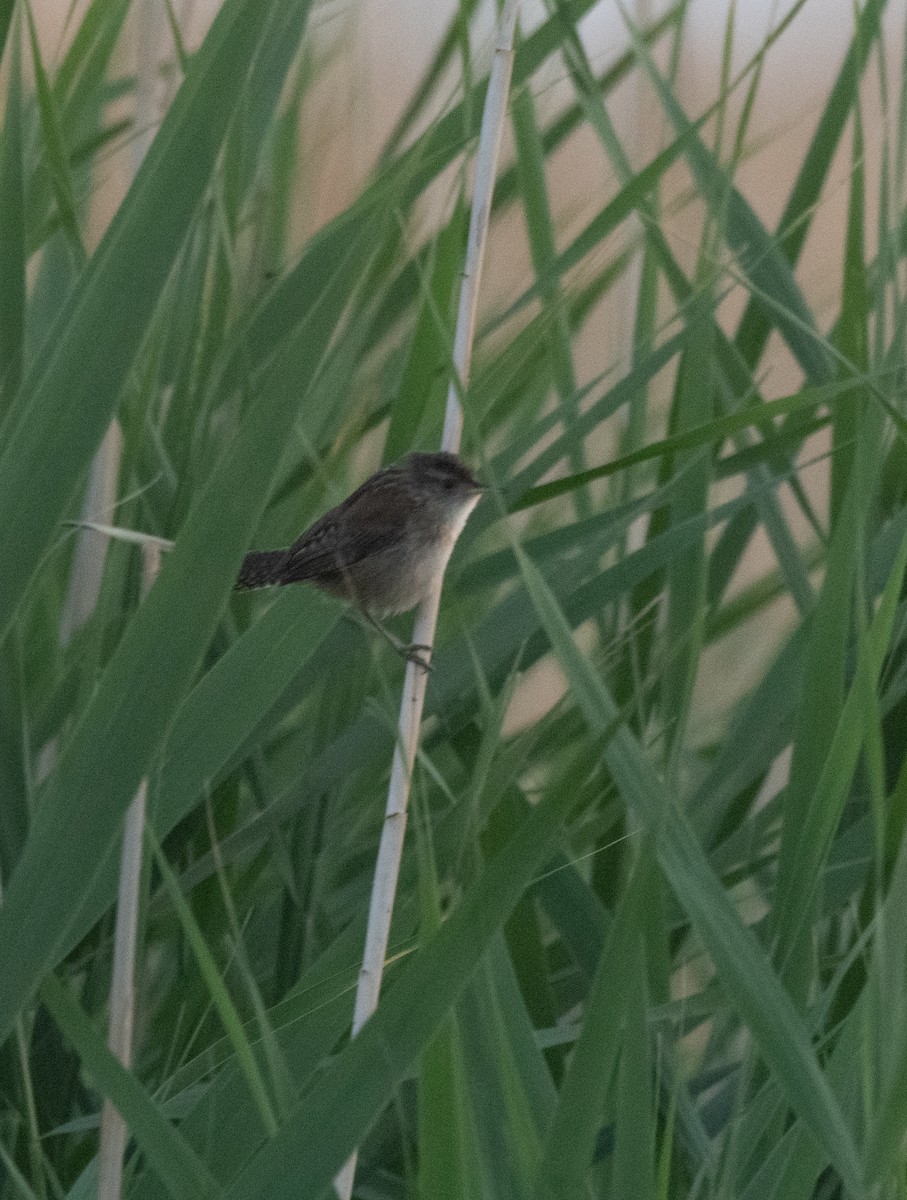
<point x="411" y="653"/>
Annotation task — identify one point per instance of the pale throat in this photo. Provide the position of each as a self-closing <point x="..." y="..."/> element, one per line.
<point x="454" y="526"/>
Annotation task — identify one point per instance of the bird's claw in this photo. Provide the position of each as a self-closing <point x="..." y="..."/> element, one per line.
<point x="412" y="654"/>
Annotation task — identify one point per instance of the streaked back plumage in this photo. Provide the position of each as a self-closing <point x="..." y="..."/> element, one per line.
<point x="380" y="546"/>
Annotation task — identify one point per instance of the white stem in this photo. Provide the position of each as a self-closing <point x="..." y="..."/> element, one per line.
<point x="390" y="849"/>
<point x="122" y="993"/>
<point x="91" y="550"/>
<point x="122" y="984"/>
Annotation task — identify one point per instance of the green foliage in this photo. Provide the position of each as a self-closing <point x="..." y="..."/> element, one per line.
<point x="650" y="936"/>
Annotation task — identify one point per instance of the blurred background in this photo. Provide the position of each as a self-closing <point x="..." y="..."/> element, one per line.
<point x="367" y="58"/>
<point x="372" y="54"/>
<point x="680" y="851"/>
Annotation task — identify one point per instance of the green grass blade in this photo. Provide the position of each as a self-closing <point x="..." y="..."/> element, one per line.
<point x="750" y="983"/>
<point x="220" y="997"/>
<point x="331" y="1121"/>
<point x="423" y="382"/>
<point x="253" y="674"/>
<point x="820" y="818"/>
<point x="822" y="700"/>
<point x="570" y="1141"/>
<point x="6" y="15"/>
<point x="221" y="1123"/>
<point x="886" y="1123"/>
<point x="66" y="403"/>
<point x="183" y="1174"/>
<point x="447" y="1155"/>
<point x="445" y="1142"/>
<point x="796" y="221"/>
<point x="79" y="83"/>
<point x="542" y="244"/>
<point x="706" y="434"/>
<point x="852" y="332"/>
<point x="56" y="153"/>
<point x="758" y="253"/>
<point x="685" y="579"/>
<point x="133" y="707"/>
<point x="12" y="232"/>
<point x="634" y="1139"/>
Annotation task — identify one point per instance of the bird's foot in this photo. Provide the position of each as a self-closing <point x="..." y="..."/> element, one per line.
<point x="416" y="654"/>
<point x="413" y="653"/>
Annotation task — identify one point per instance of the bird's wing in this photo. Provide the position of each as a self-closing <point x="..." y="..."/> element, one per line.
<point x="366" y="523"/>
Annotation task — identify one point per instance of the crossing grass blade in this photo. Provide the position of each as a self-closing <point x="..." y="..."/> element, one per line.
<point x="172" y="632"/>
<point x="7" y="7"/>
<point x="56" y="152"/>
<point x="363" y="1077"/>
<point x="220" y="997"/>
<point x="176" y="1164"/>
<point x="570" y="1140"/>
<point x="663" y="745"/>
<point x="12" y="232"/>
<point x="759" y="254"/>
<point x="709" y="433"/>
<point x="752" y="986"/>
<point x="66" y="402"/>
<point x="172" y="629"/>
<point x="796" y="220"/>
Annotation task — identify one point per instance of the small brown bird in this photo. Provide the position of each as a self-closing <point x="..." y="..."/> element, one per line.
<point x="382" y="546"/>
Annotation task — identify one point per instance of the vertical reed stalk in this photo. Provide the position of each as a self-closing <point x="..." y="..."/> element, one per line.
<point x="390" y="849"/>
<point x="91" y="547"/>
<point x="122" y="984"/>
<point x="106" y="469"/>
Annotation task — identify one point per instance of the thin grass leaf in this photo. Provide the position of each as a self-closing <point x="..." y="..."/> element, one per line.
<point x="7" y="8"/>
<point x="220" y="997"/>
<point x="570" y="1140"/>
<point x="886" y="1123"/>
<point x="80" y="80"/>
<point x="447" y="1154"/>
<point x="133" y="537"/>
<point x="56" y="153"/>
<point x="757" y="251"/>
<point x="65" y="404"/>
<point x="796" y="221"/>
<point x="12" y="230"/>
<point x="634" y="1138"/>
<point x="709" y="433"/>
<point x="362" y="1078"/>
<point x="685" y="579"/>
<point x="542" y="245"/>
<point x="133" y="708"/>
<point x="424" y="380"/>
<point x="819" y="820"/>
<point x="852" y="332"/>
<point x="510" y="1087"/>
<point x="401" y="183"/>
<point x="822" y="700"/>
<point x="754" y="989"/>
<point x="184" y="1175"/>
<point x="221" y="1123"/>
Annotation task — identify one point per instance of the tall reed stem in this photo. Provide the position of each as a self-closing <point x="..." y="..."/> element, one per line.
<point x="122" y="984"/>
<point x="390" y="849"/>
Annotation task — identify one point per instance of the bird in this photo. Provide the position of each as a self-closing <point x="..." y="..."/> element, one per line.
<point x="382" y="547"/>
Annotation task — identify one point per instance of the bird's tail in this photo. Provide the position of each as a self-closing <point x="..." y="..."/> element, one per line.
<point x="261" y="568"/>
